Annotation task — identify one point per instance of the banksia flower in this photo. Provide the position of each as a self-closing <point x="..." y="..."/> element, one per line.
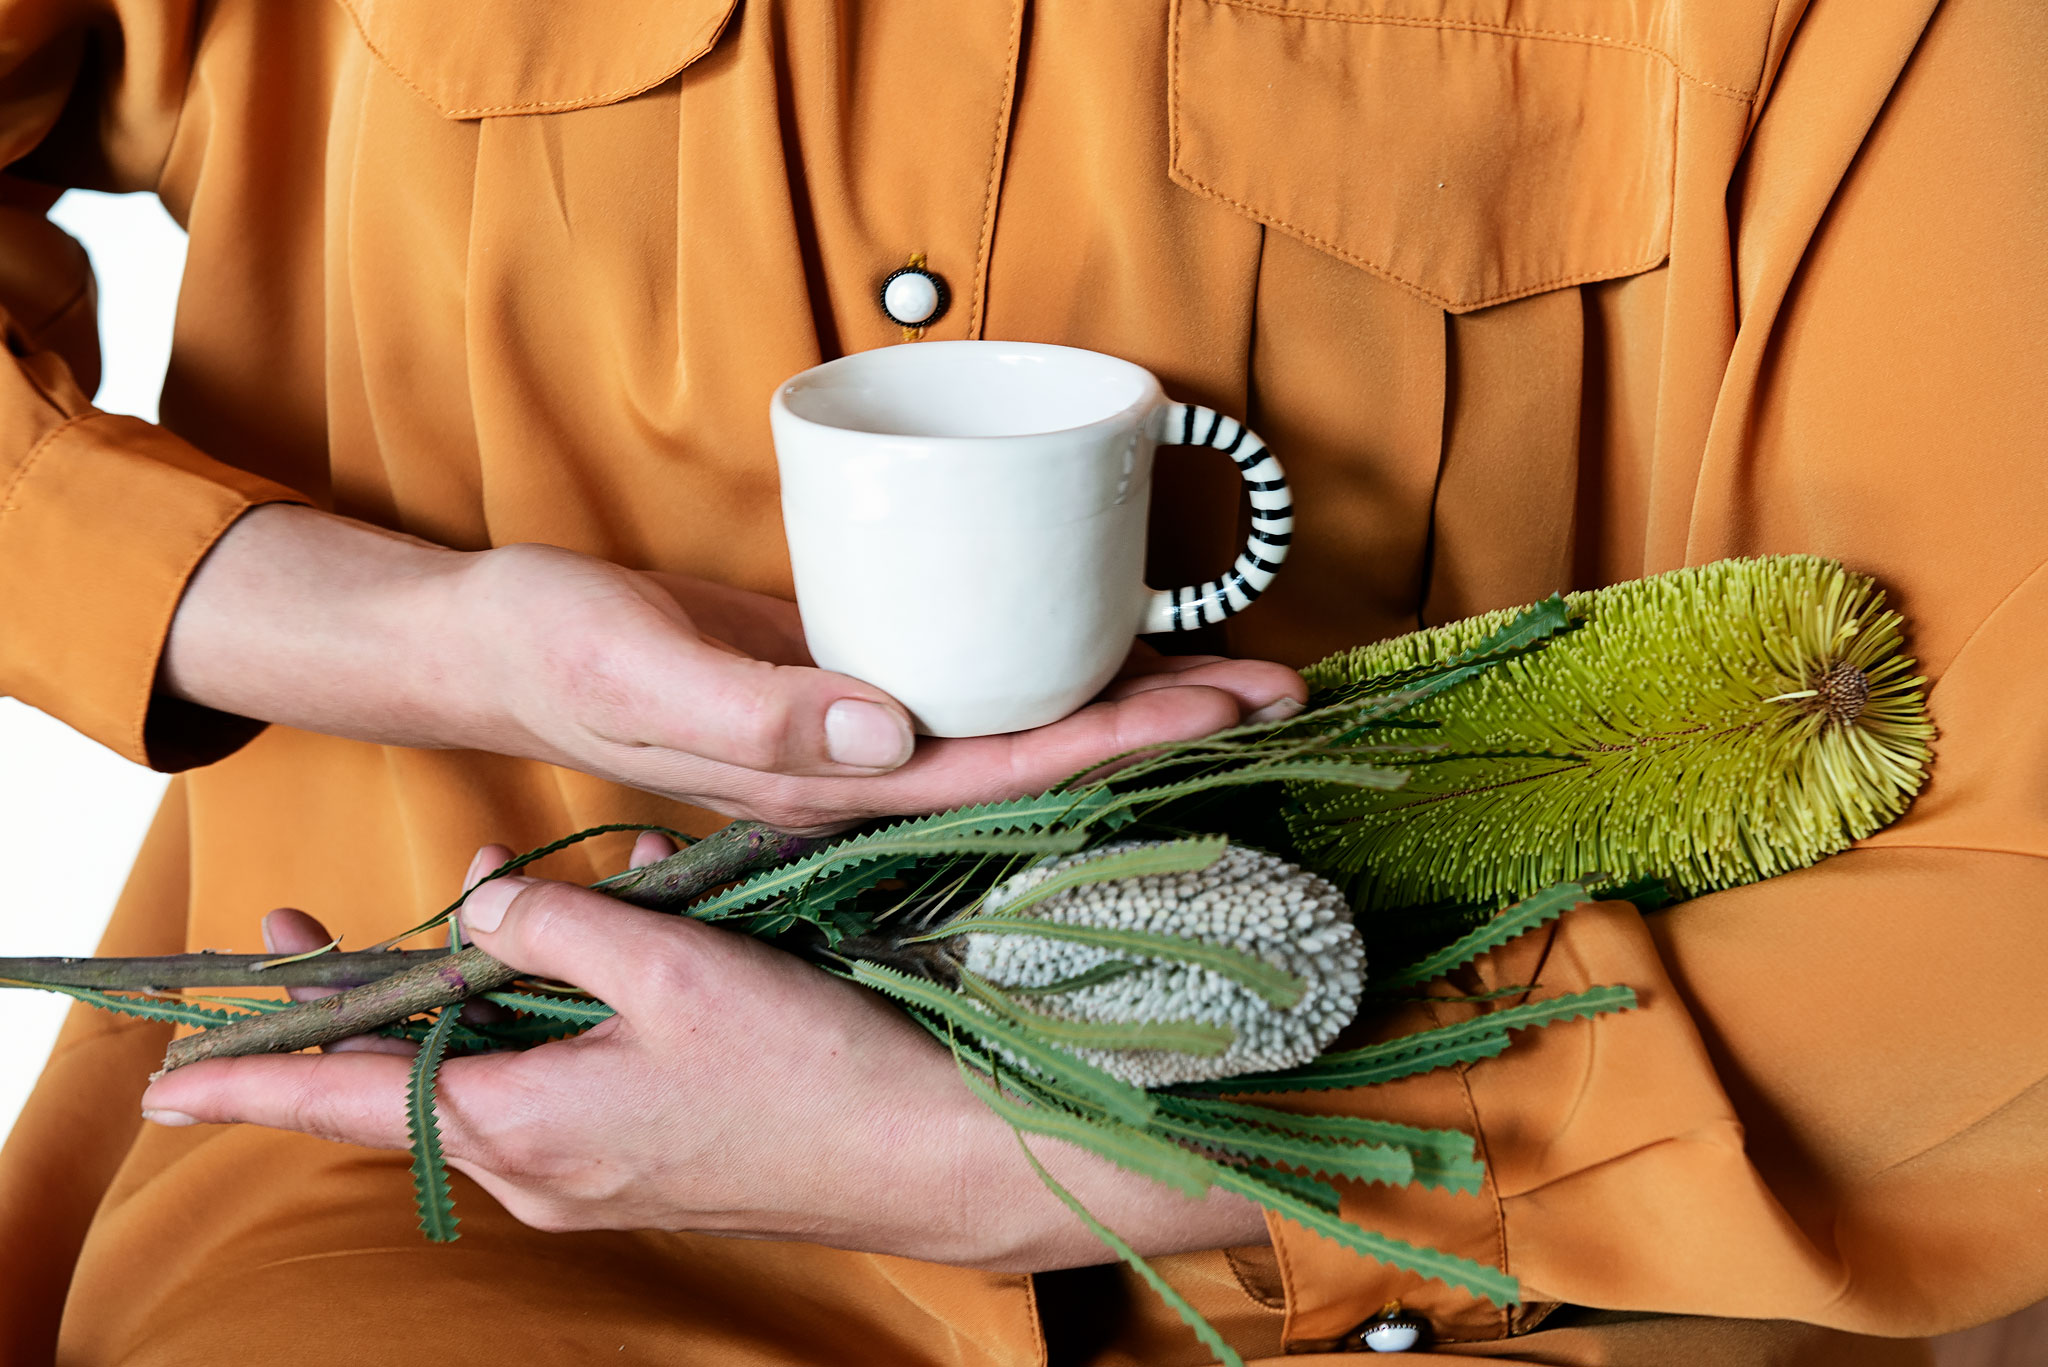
<point x="1268" y="911"/>
<point x="1710" y="726"/>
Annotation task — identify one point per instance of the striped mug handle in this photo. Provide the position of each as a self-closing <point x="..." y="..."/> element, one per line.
<point x="1185" y="609"/>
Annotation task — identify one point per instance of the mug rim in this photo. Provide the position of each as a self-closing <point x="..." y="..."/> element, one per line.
<point x="1150" y="393"/>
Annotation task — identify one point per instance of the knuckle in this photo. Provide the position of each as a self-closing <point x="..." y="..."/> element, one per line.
<point x="758" y="723"/>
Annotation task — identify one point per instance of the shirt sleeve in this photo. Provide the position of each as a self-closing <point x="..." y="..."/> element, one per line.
<point x="103" y="518"/>
<point x="1831" y="1102"/>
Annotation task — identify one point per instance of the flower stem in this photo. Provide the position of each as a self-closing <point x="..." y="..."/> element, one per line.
<point x="445" y="979"/>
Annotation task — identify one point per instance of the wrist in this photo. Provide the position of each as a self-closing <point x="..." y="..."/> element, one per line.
<point x="1019" y="1225"/>
<point x="312" y="620"/>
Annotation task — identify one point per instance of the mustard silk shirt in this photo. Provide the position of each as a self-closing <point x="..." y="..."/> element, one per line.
<point x="1528" y="296"/>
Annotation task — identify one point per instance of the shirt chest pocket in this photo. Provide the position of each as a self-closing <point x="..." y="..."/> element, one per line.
<point x="489" y="57"/>
<point x="1468" y="161"/>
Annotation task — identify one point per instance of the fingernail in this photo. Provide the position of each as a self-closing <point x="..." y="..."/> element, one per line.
<point x="169" y="1118"/>
<point x="485" y="909"/>
<point x="269" y="940"/>
<point x="865" y="735"/>
<point x="479" y="865"/>
<point x="1280" y="709"/>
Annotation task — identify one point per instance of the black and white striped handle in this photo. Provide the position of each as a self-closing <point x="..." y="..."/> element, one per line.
<point x="1185" y="609"/>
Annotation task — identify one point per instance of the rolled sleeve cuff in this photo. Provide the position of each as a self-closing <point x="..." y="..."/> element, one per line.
<point x="100" y="530"/>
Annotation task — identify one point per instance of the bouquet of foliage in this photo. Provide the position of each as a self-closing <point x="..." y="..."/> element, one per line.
<point x="1125" y="961"/>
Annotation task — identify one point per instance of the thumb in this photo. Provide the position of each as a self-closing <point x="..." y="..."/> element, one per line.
<point x="689" y="695"/>
<point x="619" y="954"/>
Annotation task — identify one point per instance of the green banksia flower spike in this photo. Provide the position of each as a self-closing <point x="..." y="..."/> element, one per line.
<point x="1710" y="727"/>
<point x="1270" y="912"/>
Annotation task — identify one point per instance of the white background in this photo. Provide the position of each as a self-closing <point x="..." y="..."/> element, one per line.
<point x="72" y="813"/>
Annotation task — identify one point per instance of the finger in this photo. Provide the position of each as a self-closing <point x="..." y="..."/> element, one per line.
<point x="681" y="693"/>
<point x="951" y="773"/>
<point x="762" y="626"/>
<point x="651" y="847"/>
<point x="357" y="1098"/>
<point x="486" y="858"/>
<point x="1145" y="659"/>
<point x="576" y="936"/>
<point x="288" y="930"/>
<point x="1265" y="691"/>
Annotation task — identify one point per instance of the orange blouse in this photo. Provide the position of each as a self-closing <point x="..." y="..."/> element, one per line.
<point x="1528" y="296"/>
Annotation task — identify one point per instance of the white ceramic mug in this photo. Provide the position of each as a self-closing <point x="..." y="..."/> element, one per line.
<point x="967" y="523"/>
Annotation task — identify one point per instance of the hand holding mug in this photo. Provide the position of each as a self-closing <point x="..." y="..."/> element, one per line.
<point x="967" y="523"/>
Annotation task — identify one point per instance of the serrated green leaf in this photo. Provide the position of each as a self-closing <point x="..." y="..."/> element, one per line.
<point x="831" y="890"/>
<point x="429" y="1167"/>
<point x="1200" y="1038"/>
<point x="580" y="1010"/>
<point x="1128" y="1148"/>
<point x="174" y="1011"/>
<point x="1347" y="773"/>
<point x="1313" y="1190"/>
<point x="1123" y="1101"/>
<point x="1360" y="1162"/>
<point x="520" y="861"/>
<point x="1146" y="860"/>
<point x="1512" y="922"/>
<point x="1278" y="986"/>
<point x="1445" y="1159"/>
<point x="1226" y="1356"/>
<point x="791" y="877"/>
<point x="1465" y="1042"/>
<point x="1108" y="971"/>
<point x="1450" y="1269"/>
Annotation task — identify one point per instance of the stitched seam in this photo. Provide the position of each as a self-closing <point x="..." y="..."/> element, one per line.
<point x="535" y="106"/>
<point x="1441" y="300"/>
<point x="1193" y="181"/>
<point x="1502" y="30"/>
<point x="1244" y="1284"/>
<point x="995" y="172"/>
<point x="10" y="497"/>
<point x="1500" y="1219"/>
<point x="1287" y="1290"/>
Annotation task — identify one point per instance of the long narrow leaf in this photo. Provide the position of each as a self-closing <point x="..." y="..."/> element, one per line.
<point x="1198" y="1037"/>
<point x="1191" y="1317"/>
<point x="792" y="877"/>
<point x="1128" y="1148"/>
<point x="1446" y="1159"/>
<point x="1123" y="1101"/>
<point x="429" y="1167"/>
<point x="169" y="1009"/>
<point x="1448" y="1268"/>
<point x="1313" y="1190"/>
<point x="1136" y="861"/>
<point x="1278" y="986"/>
<point x="1360" y="1162"/>
<point x="1517" y="920"/>
<point x="1466" y="1042"/>
<point x="580" y="1010"/>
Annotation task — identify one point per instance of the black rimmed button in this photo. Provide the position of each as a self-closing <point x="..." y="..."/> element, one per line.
<point x="914" y="297"/>
<point x="1393" y="1330"/>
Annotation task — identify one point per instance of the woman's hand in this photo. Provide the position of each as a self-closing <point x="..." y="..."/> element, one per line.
<point x="738" y="1091"/>
<point x="673" y="685"/>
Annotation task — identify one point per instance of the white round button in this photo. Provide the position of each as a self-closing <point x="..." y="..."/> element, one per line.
<point x="1392" y="1336"/>
<point x="913" y="297"/>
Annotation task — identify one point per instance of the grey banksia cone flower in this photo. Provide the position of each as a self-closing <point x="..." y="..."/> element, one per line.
<point x="1252" y="902"/>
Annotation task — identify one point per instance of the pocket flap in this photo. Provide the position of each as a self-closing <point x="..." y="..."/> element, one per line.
<point x="1469" y="162"/>
<point x="474" y="58"/>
